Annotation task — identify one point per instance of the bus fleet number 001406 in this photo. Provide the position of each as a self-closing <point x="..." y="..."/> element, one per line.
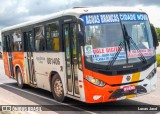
<point x="55" y="61"/>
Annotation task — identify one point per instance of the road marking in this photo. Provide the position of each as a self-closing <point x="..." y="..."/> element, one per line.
<point x="50" y="99"/>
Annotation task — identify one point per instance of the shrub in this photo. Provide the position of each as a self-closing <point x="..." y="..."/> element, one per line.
<point x="158" y="59"/>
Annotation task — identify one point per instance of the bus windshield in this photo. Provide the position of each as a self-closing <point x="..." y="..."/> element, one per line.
<point x="104" y="34"/>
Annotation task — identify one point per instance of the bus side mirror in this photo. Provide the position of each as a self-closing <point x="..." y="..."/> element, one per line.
<point x="154" y="35"/>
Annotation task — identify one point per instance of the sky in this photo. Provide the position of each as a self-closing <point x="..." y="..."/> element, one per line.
<point x="17" y="11"/>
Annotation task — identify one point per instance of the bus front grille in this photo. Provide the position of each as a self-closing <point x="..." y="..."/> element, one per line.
<point x="120" y="92"/>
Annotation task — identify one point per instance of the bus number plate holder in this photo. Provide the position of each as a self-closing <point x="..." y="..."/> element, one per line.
<point x="127" y="89"/>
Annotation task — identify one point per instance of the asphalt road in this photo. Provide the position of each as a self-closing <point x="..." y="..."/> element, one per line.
<point x="10" y="94"/>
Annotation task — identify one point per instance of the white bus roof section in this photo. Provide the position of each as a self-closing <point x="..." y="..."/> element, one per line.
<point x="74" y="12"/>
<point x="86" y="10"/>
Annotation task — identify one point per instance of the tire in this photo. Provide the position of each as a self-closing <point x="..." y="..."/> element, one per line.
<point x="19" y="78"/>
<point x="57" y="88"/>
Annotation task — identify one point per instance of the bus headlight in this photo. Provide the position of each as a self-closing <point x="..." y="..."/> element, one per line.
<point x="150" y="76"/>
<point x="95" y="81"/>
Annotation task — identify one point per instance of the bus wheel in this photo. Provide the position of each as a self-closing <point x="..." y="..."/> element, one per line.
<point x="57" y="88"/>
<point x="19" y="78"/>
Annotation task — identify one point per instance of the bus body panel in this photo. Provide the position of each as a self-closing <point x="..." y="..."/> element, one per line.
<point x="81" y="85"/>
<point x="153" y="81"/>
<point x="45" y="63"/>
<point x="6" y="64"/>
<point x="54" y="62"/>
<point x="18" y="62"/>
<point x="105" y="93"/>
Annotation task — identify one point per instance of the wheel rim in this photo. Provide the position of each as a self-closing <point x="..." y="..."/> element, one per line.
<point x="19" y="78"/>
<point x="58" y="87"/>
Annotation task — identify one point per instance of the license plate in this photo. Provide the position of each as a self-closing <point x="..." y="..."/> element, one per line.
<point x="128" y="88"/>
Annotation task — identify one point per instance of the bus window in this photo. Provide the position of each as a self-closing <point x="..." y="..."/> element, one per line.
<point x="138" y="35"/>
<point x="4" y="43"/>
<point x="52" y="32"/>
<point x="17" y="41"/>
<point x="39" y="39"/>
<point x="30" y="41"/>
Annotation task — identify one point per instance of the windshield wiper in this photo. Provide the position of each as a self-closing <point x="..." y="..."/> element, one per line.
<point x="129" y="40"/>
<point x="110" y="63"/>
<point x="126" y="37"/>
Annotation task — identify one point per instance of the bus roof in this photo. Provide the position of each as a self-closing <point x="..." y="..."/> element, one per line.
<point x="76" y="11"/>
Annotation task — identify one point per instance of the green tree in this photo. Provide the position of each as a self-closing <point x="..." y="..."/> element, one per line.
<point x="158" y="33"/>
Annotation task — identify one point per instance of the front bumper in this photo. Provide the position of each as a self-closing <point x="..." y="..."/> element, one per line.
<point x="120" y="92"/>
<point x="95" y="94"/>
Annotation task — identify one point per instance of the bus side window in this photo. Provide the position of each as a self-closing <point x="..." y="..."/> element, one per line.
<point x="39" y="39"/>
<point x="4" y="43"/>
<point x="17" y="41"/>
<point x="52" y="33"/>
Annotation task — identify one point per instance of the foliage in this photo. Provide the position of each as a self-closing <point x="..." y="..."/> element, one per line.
<point x="158" y="33"/>
<point x="158" y="59"/>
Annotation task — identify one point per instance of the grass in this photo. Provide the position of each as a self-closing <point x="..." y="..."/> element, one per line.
<point x="158" y="59"/>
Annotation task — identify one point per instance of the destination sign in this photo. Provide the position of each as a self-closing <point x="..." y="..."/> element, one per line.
<point x="108" y="53"/>
<point x="93" y="19"/>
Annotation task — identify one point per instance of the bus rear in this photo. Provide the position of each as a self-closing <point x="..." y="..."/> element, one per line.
<point x="119" y="56"/>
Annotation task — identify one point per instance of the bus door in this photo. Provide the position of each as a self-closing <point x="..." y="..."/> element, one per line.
<point x="9" y="42"/>
<point x="28" y="47"/>
<point x="69" y="36"/>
